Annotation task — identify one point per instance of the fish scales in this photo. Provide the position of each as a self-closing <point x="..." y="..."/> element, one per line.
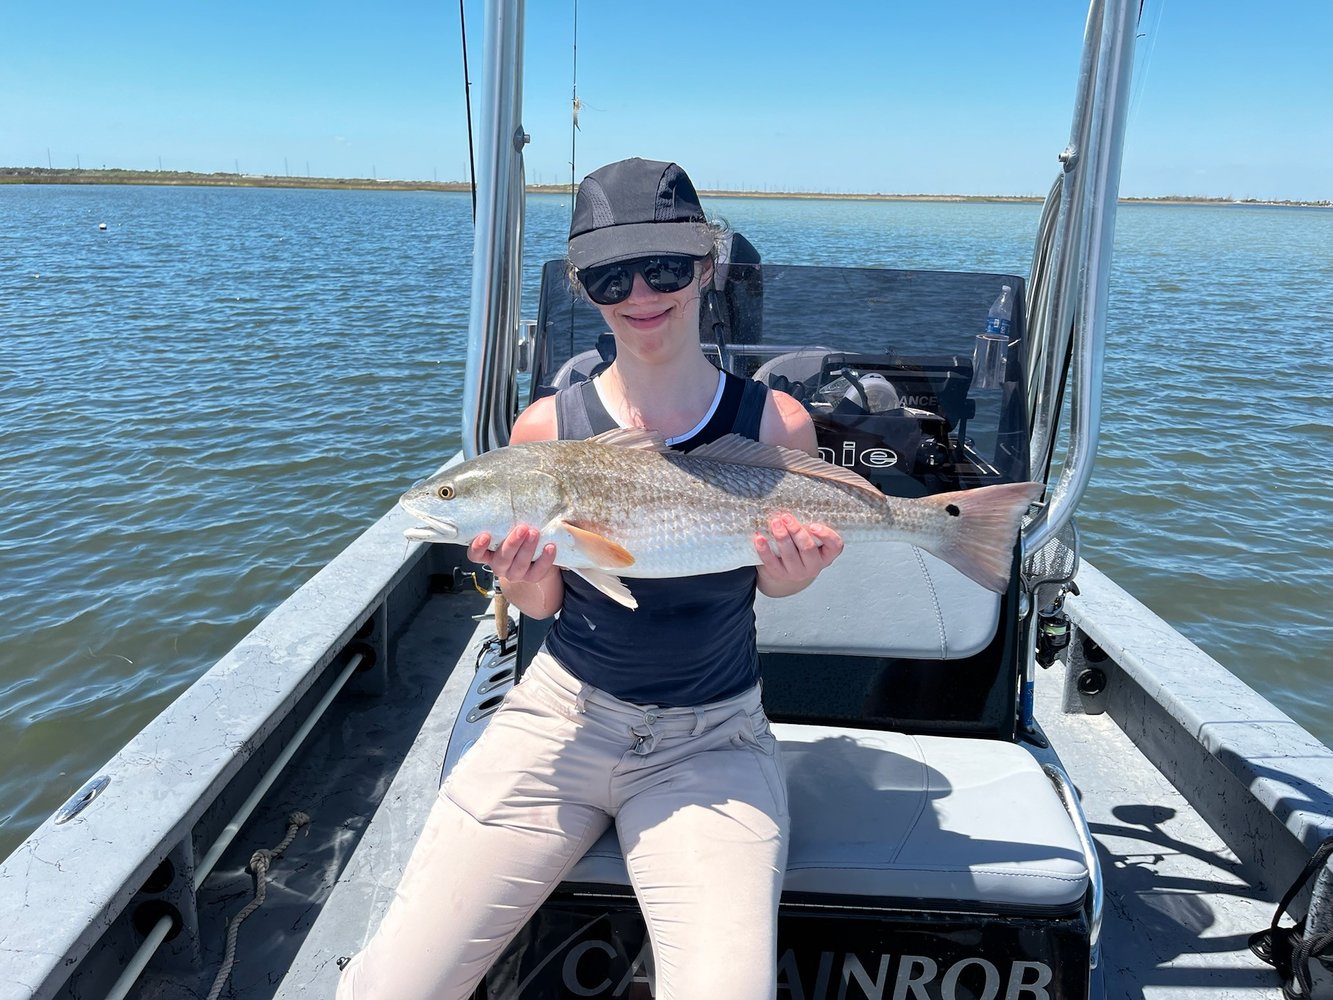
<point x="669" y="488"/>
<point x="682" y="515"/>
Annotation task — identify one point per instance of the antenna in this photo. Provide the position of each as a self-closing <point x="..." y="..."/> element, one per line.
<point x="467" y="100"/>
<point x="574" y="100"/>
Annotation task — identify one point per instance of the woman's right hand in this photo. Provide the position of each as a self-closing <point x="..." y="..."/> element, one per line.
<point x="530" y="580"/>
<point x="516" y="559"/>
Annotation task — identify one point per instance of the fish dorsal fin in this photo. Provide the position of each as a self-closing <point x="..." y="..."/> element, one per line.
<point x="632" y="437"/>
<point x="736" y="449"/>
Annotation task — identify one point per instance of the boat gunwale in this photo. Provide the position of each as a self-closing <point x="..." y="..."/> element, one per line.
<point x="1240" y="737"/>
<point x="172" y="772"/>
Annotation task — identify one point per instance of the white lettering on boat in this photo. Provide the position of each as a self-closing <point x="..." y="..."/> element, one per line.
<point x="577" y="985"/>
<point x="841" y="976"/>
<point x="875" y="458"/>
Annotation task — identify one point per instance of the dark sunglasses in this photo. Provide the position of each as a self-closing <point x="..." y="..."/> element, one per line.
<point x="607" y="284"/>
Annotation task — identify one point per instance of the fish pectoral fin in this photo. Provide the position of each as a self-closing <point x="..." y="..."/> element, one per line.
<point x="736" y="449"/>
<point x="612" y="586"/>
<point x="598" y="548"/>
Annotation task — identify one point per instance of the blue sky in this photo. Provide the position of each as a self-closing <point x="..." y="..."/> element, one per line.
<point x="1229" y="99"/>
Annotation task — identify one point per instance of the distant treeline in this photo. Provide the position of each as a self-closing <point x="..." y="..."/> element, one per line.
<point x="47" y="175"/>
<point x="1183" y="199"/>
<point x="44" y="175"/>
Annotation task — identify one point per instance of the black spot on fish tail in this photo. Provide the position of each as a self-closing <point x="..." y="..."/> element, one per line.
<point x="981" y="544"/>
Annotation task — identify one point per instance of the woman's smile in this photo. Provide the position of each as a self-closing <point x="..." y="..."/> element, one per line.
<point x="645" y="319"/>
<point x="656" y="321"/>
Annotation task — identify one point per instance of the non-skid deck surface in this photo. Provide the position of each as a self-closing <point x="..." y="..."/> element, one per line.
<point x="1178" y="911"/>
<point x="364" y="887"/>
<point x="360" y="762"/>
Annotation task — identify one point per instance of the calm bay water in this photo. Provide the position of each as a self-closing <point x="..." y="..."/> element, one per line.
<point x="206" y="401"/>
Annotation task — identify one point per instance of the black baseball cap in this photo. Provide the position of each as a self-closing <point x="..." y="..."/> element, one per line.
<point x="636" y="207"/>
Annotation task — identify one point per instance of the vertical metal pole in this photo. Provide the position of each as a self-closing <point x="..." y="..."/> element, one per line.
<point x="1088" y="267"/>
<point x="1054" y="312"/>
<point x="497" y="241"/>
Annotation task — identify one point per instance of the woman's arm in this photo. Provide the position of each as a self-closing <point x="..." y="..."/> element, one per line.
<point x="799" y="552"/>
<point x="528" y="578"/>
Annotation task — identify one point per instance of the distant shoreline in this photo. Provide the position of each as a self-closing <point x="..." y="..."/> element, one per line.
<point x="173" y="178"/>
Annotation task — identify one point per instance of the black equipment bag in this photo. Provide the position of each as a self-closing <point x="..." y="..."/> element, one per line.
<point x="1294" y="951"/>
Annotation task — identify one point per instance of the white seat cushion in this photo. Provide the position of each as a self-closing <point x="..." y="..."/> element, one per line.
<point x="886" y="815"/>
<point x="919" y="606"/>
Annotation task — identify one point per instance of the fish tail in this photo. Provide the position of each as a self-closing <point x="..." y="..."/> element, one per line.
<point x="980" y="527"/>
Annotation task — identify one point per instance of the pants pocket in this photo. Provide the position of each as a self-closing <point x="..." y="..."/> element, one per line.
<point x="756" y="735"/>
<point x="763" y="732"/>
<point x="514" y="760"/>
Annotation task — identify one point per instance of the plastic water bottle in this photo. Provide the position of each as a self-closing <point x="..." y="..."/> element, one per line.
<point x="992" y="347"/>
<point x="1001" y="311"/>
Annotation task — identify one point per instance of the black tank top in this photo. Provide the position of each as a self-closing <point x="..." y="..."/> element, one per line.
<point x="692" y="639"/>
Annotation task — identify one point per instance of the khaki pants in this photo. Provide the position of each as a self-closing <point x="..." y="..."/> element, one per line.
<point x="699" y="802"/>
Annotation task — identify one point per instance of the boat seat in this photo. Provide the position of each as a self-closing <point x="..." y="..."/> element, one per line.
<point x="960" y="821"/>
<point x="793" y="370"/>
<point x="585" y="364"/>
<point x="920" y="607"/>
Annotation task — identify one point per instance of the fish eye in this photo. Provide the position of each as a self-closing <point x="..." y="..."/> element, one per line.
<point x="445" y="492"/>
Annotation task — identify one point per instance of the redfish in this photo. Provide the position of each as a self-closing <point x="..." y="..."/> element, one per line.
<point x="624" y="504"/>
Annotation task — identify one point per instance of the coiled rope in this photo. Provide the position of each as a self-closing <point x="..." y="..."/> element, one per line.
<point x="260" y="862"/>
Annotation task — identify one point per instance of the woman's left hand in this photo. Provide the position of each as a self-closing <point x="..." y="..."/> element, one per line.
<point x="798" y="553"/>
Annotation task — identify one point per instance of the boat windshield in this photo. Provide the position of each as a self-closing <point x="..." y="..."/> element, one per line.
<point x="903" y="381"/>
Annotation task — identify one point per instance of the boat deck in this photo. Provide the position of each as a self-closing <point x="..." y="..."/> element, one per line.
<point x="365" y="777"/>
<point x="1179" y="910"/>
<point x="1179" y="904"/>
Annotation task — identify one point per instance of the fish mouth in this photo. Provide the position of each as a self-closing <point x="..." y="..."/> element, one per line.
<point x="443" y="528"/>
<point x="424" y="534"/>
<point x="440" y="528"/>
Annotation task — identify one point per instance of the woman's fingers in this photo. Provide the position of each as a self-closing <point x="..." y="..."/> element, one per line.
<point x="797" y="551"/>
<point x="543" y="564"/>
<point x="830" y="542"/>
<point x="479" y="550"/>
<point x="515" y="554"/>
<point x="516" y="558"/>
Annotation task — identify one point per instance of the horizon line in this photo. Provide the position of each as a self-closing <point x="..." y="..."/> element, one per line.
<point x="104" y="175"/>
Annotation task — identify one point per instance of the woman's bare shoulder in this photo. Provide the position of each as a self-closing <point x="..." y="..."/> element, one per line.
<point x="536" y="423"/>
<point x="785" y="422"/>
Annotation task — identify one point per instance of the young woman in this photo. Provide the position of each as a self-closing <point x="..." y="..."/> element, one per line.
<point x="648" y="719"/>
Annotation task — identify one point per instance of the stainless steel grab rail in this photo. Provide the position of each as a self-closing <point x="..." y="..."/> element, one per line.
<point x="1089" y="199"/>
<point x="488" y="388"/>
<point x="1064" y="788"/>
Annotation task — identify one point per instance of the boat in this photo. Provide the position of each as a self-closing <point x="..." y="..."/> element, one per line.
<point x="1042" y="793"/>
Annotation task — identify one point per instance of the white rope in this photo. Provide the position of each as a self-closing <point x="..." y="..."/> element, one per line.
<point x="260" y="862"/>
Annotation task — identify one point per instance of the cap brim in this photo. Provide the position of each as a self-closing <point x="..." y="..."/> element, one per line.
<point x="615" y="243"/>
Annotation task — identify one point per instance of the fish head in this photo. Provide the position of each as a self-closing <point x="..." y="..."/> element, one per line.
<point x="491" y="493"/>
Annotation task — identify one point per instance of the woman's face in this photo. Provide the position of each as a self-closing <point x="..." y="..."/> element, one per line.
<point x="655" y="326"/>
